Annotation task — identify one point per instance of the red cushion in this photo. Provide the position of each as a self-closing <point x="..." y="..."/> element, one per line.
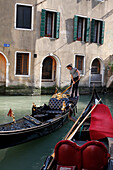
<point x="94" y="156"/>
<point x="67" y="153"/>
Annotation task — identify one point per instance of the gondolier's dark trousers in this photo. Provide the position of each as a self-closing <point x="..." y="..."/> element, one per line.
<point x="74" y="87"/>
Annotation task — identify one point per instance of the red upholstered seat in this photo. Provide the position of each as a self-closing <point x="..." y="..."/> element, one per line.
<point x="94" y="156"/>
<point x="67" y="153"/>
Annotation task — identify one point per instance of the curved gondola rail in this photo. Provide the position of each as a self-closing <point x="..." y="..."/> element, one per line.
<point x="71" y="136"/>
<point x="74" y="124"/>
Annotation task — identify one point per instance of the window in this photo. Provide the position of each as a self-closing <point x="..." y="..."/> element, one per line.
<point x="97" y="31"/>
<point x="24" y="17"/>
<point x="79" y="63"/>
<point x="50" y="23"/>
<point x="49" y="19"/>
<point x="22" y="63"/>
<point x="81" y="28"/>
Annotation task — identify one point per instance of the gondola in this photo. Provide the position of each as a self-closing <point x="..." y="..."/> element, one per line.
<point x="44" y="120"/>
<point x="89" y="143"/>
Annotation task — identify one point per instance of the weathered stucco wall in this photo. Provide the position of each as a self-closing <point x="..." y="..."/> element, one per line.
<point x="19" y="40"/>
<point x="63" y="49"/>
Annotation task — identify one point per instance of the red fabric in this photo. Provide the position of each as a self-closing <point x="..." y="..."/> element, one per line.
<point x="101" y="123"/>
<point x="92" y="155"/>
<point x="67" y="153"/>
<point x="10" y="113"/>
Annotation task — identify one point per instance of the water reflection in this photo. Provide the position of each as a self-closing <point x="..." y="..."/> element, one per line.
<point x="31" y="155"/>
<point x="21" y="105"/>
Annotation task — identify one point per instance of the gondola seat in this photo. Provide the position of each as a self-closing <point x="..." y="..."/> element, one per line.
<point x="51" y="110"/>
<point x="67" y="155"/>
<point x="55" y="105"/>
<point x="94" y="156"/>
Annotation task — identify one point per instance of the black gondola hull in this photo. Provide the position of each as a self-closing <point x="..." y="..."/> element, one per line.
<point x="12" y="138"/>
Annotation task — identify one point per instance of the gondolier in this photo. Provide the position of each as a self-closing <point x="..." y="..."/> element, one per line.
<point x="75" y="77"/>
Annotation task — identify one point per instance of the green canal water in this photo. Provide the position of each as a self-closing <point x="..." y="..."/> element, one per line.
<point x="31" y="155"/>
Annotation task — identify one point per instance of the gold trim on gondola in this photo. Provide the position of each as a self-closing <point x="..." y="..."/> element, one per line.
<point x="34" y="106"/>
<point x="64" y="106"/>
<point x="59" y="96"/>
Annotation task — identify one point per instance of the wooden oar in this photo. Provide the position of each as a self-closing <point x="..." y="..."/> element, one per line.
<point x="68" y="87"/>
<point x="74" y="125"/>
<point x="71" y="136"/>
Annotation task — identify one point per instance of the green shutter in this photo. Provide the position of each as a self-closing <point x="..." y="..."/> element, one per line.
<point x="87" y="29"/>
<point x="102" y="32"/>
<point x="57" y="24"/>
<point x="43" y="22"/>
<point x="92" y="30"/>
<point x="75" y="27"/>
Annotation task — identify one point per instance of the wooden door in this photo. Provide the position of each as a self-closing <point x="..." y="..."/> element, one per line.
<point x="2" y="68"/>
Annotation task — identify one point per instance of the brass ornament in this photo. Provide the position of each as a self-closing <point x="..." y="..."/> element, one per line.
<point x="64" y="106"/>
<point x="59" y="96"/>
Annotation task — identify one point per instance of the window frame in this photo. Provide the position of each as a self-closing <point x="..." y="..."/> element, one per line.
<point x="55" y="24"/>
<point x="29" y="64"/>
<point x="85" y="28"/>
<point x="82" y="29"/>
<point x="82" y="74"/>
<point x="32" y="17"/>
<point x="52" y="24"/>
<point x="100" y="32"/>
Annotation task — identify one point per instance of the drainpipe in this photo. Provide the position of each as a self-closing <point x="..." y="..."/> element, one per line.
<point x="103" y="76"/>
<point x="40" y="75"/>
<point x="89" y="77"/>
<point x="7" y="74"/>
<point x="59" y="75"/>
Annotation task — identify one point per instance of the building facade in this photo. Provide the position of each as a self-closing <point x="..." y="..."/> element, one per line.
<point x="38" y="38"/>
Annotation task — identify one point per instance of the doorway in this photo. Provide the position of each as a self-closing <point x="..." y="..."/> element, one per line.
<point x="2" y="70"/>
<point x="97" y="72"/>
<point x="95" y="69"/>
<point x="49" y="71"/>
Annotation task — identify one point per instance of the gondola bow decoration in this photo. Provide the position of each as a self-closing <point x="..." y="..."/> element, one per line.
<point x="11" y="114"/>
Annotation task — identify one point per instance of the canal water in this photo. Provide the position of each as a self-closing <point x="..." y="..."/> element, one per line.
<point x="31" y="155"/>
